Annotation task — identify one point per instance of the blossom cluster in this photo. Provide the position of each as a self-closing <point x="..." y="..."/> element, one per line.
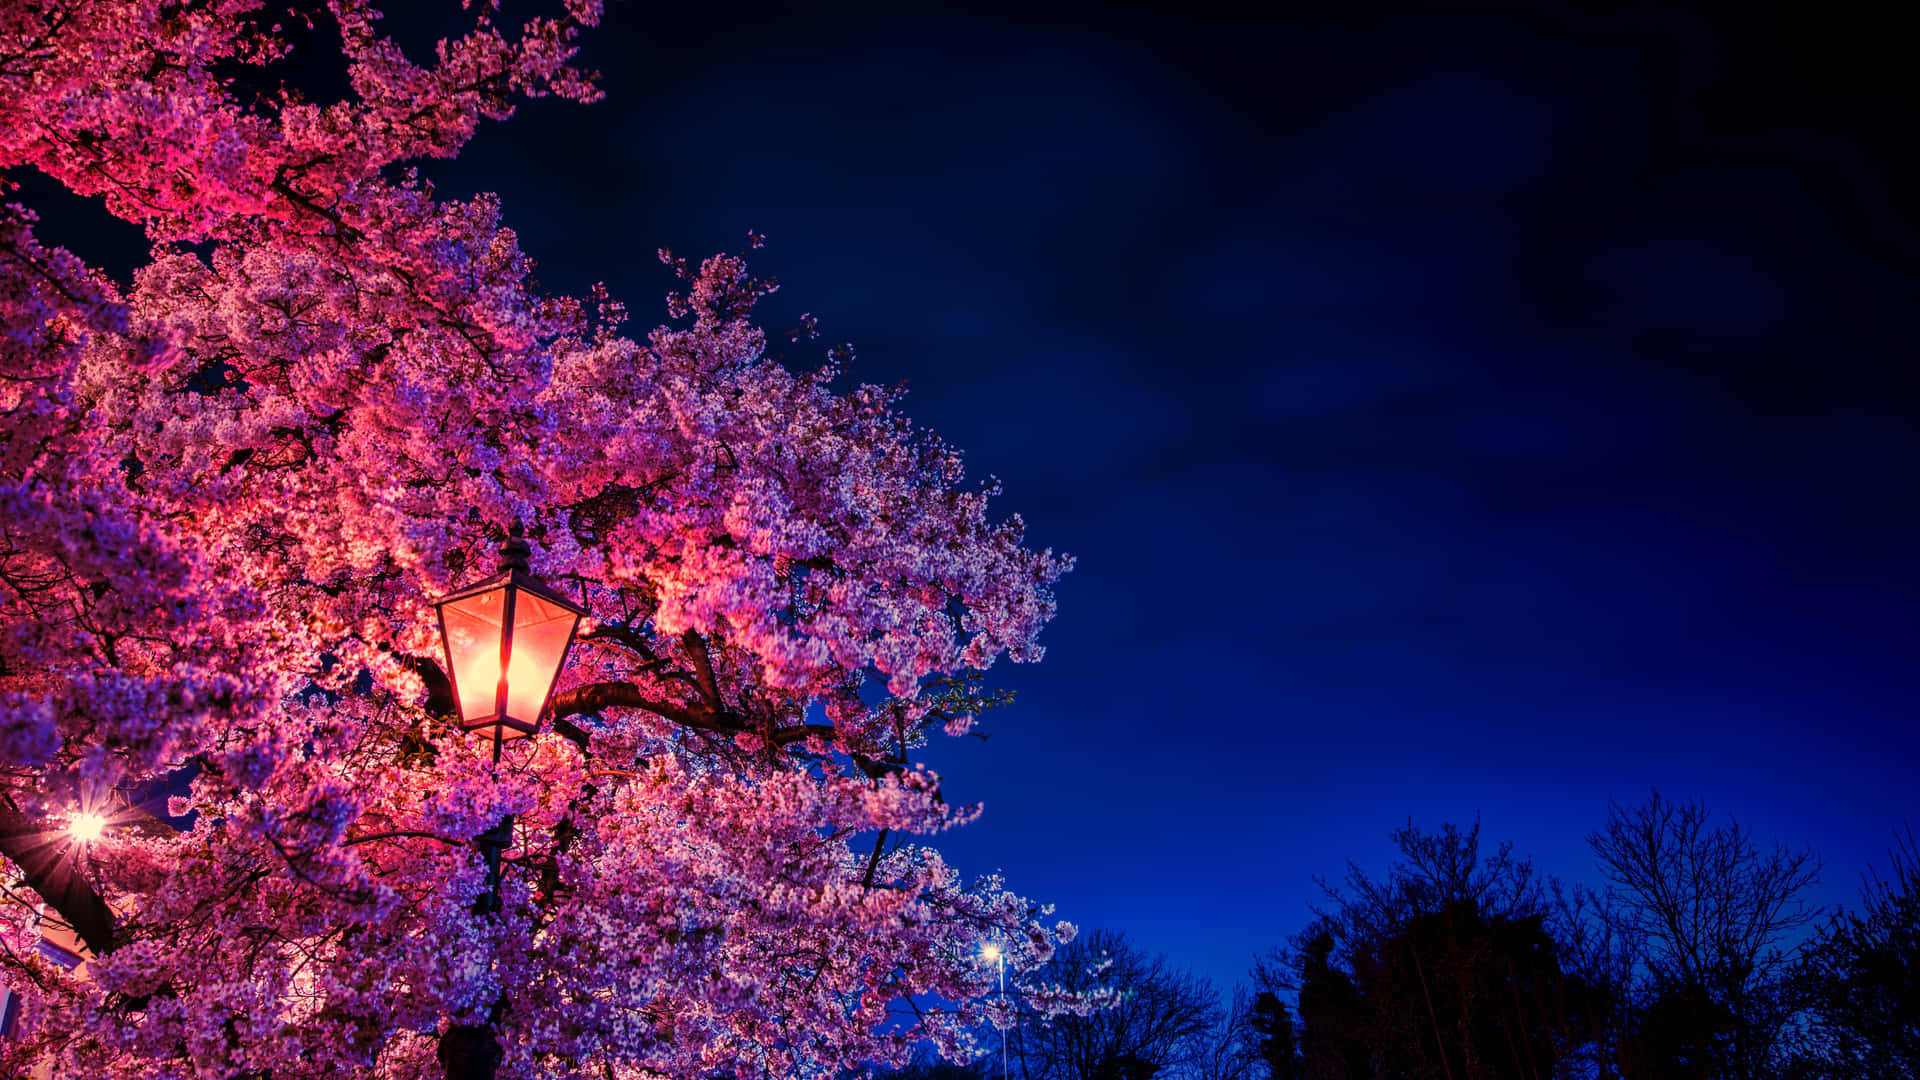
<point x="230" y="490"/>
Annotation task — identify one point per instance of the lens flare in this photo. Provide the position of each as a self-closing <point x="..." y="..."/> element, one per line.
<point x="86" y="828"/>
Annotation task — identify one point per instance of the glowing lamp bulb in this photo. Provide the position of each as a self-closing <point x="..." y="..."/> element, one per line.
<point x="989" y="952"/>
<point x="506" y="638"/>
<point x="86" y="828"/>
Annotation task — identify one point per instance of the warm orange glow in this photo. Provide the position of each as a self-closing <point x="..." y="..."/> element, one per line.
<point x="541" y="631"/>
<point x="473" y="647"/>
<point x="86" y="828"/>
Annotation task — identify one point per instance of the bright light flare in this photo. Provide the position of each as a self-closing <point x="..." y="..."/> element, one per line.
<point x="86" y="828"/>
<point x="989" y="952"/>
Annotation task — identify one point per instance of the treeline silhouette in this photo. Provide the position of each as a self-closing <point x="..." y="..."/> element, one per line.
<point x="1697" y="957"/>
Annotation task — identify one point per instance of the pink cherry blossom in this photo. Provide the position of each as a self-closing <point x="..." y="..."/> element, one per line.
<point x="228" y="496"/>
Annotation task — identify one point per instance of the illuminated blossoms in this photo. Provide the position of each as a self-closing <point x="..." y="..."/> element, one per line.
<point x="229" y="494"/>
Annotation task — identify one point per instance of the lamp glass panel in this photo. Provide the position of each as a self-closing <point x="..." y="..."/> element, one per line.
<point x="473" y="651"/>
<point x="540" y="634"/>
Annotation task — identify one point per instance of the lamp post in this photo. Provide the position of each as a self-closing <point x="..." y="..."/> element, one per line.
<point x="506" y="638"/>
<point x="993" y="952"/>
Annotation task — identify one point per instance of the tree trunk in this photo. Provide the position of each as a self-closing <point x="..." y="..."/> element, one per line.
<point x="470" y="1052"/>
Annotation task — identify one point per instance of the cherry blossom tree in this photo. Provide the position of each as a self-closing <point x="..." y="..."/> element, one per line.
<point x="230" y="490"/>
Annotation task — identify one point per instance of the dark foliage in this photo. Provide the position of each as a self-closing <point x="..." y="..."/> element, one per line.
<point x="1334" y="1021"/>
<point x="1460" y="964"/>
<point x="1444" y="969"/>
<point x="1274" y="1040"/>
<point x="930" y="1066"/>
<point x="1861" y="981"/>
<point x="1684" y="1033"/>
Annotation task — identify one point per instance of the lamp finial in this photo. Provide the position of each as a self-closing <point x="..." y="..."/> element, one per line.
<point x="515" y="552"/>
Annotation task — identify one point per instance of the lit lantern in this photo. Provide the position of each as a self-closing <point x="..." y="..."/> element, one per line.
<point x="506" y="638"/>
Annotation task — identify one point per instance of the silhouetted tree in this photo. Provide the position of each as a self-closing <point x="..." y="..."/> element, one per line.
<point x="1861" y="980"/>
<point x="1444" y="968"/>
<point x="1160" y="1024"/>
<point x="1123" y="1065"/>
<point x="1682" y="1033"/>
<point x="1235" y="1048"/>
<point x="1335" y="1024"/>
<point x="1602" y="958"/>
<point x="1271" y="1025"/>
<point x="1708" y="913"/>
<point x="1459" y="995"/>
<point x="927" y="1065"/>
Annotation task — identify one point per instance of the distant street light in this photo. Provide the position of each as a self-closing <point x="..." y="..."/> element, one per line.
<point x="993" y="952"/>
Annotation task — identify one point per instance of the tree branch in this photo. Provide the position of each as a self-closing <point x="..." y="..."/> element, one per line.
<point x="569" y="729"/>
<point x="702" y="663"/>
<point x="783" y="736"/>
<point x="439" y="688"/>
<point x="593" y="697"/>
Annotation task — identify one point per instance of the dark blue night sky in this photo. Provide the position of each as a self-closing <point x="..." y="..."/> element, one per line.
<point x="1454" y="413"/>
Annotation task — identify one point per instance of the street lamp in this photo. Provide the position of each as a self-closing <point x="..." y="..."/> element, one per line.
<point x="991" y="951"/>
<point x="505" y="639"/>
